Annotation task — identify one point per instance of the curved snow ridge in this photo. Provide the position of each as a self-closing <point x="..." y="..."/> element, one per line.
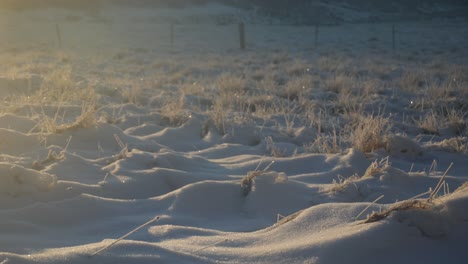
<point x="16" y="123"/>
<point x="17" y="143"/>
<point x="313" y="234"/>
<point x="19" y="181"/>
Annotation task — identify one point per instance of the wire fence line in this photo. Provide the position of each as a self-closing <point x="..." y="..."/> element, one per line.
<point x="179" y="37"/>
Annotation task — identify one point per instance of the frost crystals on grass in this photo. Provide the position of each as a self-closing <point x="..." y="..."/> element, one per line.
<point x="248" y="181"/>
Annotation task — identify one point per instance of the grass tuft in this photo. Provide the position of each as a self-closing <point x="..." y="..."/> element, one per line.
<point x="248" y="181"/>
<point x="370" y="133"/>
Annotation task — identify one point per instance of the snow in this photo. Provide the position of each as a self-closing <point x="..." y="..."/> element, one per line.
<point x="162" y="141"/>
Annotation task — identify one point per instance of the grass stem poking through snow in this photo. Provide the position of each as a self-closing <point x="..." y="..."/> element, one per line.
<point x="433" y="167"/>
<point x="421" y="194"/>
<point x="405" y="205"/>
<point x="247" y="181"/>
<point x="124" y="236"/>
<point x="210" y="245"/>
<point x="439" y="184"/>
<point x="279" y="217"/>
<point x="367" y="207"/>
<point x="123" y="148"/>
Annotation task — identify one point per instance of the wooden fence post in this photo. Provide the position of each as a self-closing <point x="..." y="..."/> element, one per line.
<point x="316" y="35"/>
<point x="242" y="35"/>
<point x="59" y="36"/>
<point x="172" y="34"/>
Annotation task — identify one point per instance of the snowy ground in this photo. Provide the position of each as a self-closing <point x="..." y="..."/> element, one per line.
<point x="348" y="151"/>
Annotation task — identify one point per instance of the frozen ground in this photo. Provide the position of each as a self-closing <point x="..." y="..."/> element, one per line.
<point x="348" y="151"/>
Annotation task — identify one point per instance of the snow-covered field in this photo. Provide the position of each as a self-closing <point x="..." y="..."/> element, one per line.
<point x="345" y="152"/>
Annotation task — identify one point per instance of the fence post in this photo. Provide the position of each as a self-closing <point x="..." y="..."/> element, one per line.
<point x="316" y="35"/>
<point x="172" y="34"/>
<point x="59" y="36"/>
<point x="242" y="35"/>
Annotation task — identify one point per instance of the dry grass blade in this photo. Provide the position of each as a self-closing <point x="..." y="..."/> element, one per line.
<point x="341" y="184"/>
<point x="247" y="181"/>
<point x="367" y="207"/>
<point x="406" y="205"/>
<point x="123" y="148"/>
<point x="412" y="203"/>
<point x="124" y="236"/>
<point x="439" y="184"/>
<point x="85" y="120"/>
<point x="52" y="157"/>
<point x="462" y="187"/>
<point x="420" y="195"/>
<point x="210" y="245"/>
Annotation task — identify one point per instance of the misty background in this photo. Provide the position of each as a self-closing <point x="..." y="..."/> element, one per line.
<point x="296" y="12"/>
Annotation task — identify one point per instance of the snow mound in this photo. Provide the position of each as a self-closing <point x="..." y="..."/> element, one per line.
<point x="18" y="181"/>
<point x="19" y="86"/>
<point x="434" y="219"/>
<point x="404" y="147"/>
